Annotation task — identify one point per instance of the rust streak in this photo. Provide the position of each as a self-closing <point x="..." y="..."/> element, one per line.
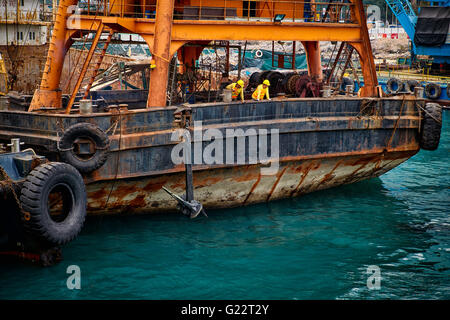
<point x="253" y="188"/>
<point x="276" y="183"/>
<point x="383" y="166"/>
<point x="329" y="175"/>
<point x="351" y="176"/>
<point x="138" y="202"/>
<point x="208" y="181"/>
<point x="246" y="177"/>
<point x="302" y="178"/>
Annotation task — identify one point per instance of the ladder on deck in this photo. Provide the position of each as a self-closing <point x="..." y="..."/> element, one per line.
<point x="86" y="64"/>
<point x="98" y="65"/>
<point x="172" y="82"/>
<point x="341" y="62"/>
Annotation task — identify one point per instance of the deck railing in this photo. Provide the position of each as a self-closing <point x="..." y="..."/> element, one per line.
<point x="230" y="10"/>
<point x="24" y="16"/>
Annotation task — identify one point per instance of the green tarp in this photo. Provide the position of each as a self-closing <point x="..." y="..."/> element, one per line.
<point x="265" y="61"/>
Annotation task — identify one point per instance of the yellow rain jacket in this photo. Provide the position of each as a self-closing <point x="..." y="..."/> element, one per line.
<point x="236" y="91"/>
<point x="260" y="92"/>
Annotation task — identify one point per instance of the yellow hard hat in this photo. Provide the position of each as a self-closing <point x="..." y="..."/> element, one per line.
<point x="266" y="82"/>
<point x="241" y="83"/>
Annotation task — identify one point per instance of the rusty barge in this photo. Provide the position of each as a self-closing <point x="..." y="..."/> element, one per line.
<point x="112" y="151"/>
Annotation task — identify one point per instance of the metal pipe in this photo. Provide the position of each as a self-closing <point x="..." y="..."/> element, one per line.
<point x="312" y="49"/>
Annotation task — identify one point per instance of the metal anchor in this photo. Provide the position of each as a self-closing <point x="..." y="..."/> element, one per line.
<point x="192" y="208"/>
<point x="186" y="204"/>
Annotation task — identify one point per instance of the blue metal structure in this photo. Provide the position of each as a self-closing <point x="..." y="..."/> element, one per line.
<point x="405" y="14"/>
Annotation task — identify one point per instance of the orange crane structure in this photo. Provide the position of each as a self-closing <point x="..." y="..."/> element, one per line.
<point x="168" y="25"/>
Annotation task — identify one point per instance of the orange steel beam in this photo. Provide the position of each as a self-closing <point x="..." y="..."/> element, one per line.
<point x="49" y="95"/>
<point x="165" y="35"/>
<point x="84" y="68"/>
<point x="312" y="49"/>
<point x="364" y="48"/>
<point x="161" y="54"/>
<point x="185" y="30"/>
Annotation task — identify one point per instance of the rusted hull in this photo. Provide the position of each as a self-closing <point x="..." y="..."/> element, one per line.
<point x="243" y="185"/>
<point x="323" y="143"/>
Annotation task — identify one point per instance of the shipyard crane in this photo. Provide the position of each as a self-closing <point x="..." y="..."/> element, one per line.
<point x="405" y="14"/>
<point x="180" y="24"/>
<point x="428" y="19"/>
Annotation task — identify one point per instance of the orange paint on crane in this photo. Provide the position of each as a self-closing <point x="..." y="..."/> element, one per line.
<point x="165" y="36"/>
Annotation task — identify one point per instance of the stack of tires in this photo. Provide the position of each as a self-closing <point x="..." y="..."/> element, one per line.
<point x="432" y="90"/>
<point x="395" y="86"/>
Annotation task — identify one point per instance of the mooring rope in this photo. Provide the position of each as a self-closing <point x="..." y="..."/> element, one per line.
<point x="424" y="110"/>
<point x="396" y="123"/>
<point x="118" y="157"/>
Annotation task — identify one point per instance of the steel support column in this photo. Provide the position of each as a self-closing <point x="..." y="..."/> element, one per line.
<point x="49" y="95"/>
<point x="312" y="49"/>
<point x="161" y="54"/>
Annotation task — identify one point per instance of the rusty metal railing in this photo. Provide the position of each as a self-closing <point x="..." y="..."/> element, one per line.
<point x="255" y="10"/>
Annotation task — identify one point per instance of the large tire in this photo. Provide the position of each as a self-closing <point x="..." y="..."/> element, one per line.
<point x="432" y="91"/>
<point x="275" y="78"/>
<point x="254" y="80"/>
<point x="431" y="126"/>
<point x="448" y="90"/>
<point x="48" y="183"/>
<point x="291" y="83"/>
<point x="285" y="81"/>
<point x="92" y="133"/>
<point x="394" y="85"/>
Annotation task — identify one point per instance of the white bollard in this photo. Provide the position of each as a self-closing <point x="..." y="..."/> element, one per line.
<point x="227" y="95"/>
<point x="418" y="92"/>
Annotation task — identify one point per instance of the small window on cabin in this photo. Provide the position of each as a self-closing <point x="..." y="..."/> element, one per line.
<point x="22" y="3"/>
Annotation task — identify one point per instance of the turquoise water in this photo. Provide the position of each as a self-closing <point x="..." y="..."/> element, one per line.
<point x="314" y="247"/>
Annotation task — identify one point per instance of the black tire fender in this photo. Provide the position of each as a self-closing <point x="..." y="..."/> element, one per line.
<point x="54" y="182"/>
<point x="92" y="133"/>
<point x="392" y="83"/>
<point x="431" y="126"/>
<point x="432" y="91"/>
<point x="411" y="84"/>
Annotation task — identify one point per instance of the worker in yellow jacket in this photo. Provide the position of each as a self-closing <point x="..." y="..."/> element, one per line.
<point x="237" y="89"/>
<point x="261" y="91"/>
